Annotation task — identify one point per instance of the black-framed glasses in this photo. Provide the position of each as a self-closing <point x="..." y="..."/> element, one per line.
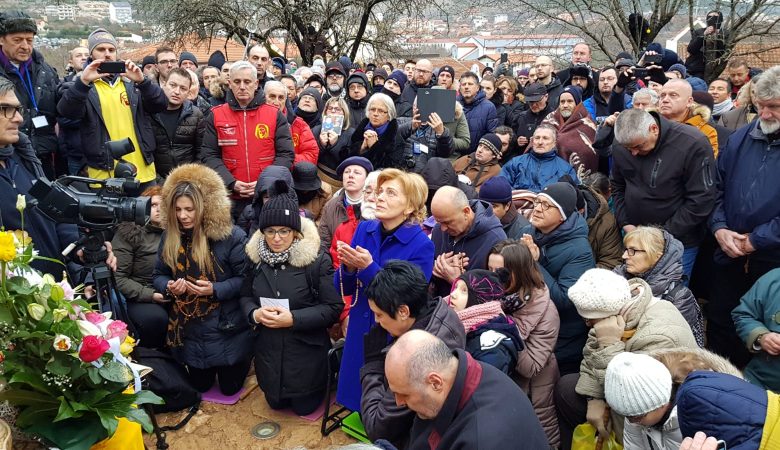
<point x="633" y="251"/>
<point x="544" y="206"/>
<point x="168" y="62"/>
<point x="9" y="111"/>
<point x="282" y="232"/>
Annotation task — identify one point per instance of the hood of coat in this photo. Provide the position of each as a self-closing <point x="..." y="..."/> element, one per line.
<point x="682" y="361"/>
<point x="218" y="90"/>
<point x="303" y="254"/>
<point x="699" y="115"/>
<point x="573" y="227"/>
<point x="479" y="98"/>
<point x="134" y="234"/>
<point x="438" y="172"/>
<point x="595" y="205"/>
<point x="641" y="297"/>
<point x="484" y="219"/>
<point x="668" y="268"/>
<point x="216" y="220"/>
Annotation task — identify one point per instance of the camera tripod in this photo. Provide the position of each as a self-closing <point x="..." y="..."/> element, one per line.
<point x="106" y="292"/>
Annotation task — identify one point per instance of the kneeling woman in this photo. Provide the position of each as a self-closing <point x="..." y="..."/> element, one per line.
<point x="200" y="268"/>
<point x="290" y="298"/>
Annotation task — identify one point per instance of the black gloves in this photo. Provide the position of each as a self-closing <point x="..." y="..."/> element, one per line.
<point x="373" y="343"/>
<point x="657" y="75"/>
<point x="624" y="79"/>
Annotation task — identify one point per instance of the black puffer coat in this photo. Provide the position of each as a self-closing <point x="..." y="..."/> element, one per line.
<point x="186" y="142"/>
<point x="222" y="338"/>
<point x="332" y="155"/>
<point x="665" y="279"/>
<point x="292" y="362"/>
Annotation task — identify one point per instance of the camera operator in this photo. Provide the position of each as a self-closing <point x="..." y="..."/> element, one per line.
<point x="19" y="169"/>
<point x="707" y="45"/>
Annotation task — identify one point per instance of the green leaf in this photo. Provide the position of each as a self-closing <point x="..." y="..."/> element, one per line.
<point x="61" y="364"/>
<point x="65" y="411"/>
<point x="33" y="380"/>
<point x="37" y="414"/>
<point x="20" y="285"/>
<point x="94" y="375"/>
<point x="109" y="422"/>
<point x="5" y="314"/>
<point x="27" y="398"/>
<point x="145" y="397"/>
<point x="138" y="415"/>
<point x="116" y="372"/>
<point x="44" y="258"/>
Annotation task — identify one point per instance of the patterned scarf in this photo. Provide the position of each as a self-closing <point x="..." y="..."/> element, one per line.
<point x="513" y="302"/>
<point x="187" y="306"/>
<point x="274" y="259"/>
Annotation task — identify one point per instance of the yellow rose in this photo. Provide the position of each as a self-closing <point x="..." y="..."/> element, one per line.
<point x="127" y="346"/>
<point x="7" y="248"/>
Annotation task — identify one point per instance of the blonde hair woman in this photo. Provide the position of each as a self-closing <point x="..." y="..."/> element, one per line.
<point x="394" y="234"/>
<point x="200" y="269"/>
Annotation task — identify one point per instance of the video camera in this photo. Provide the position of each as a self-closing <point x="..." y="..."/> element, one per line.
<point x="96" y="209"/>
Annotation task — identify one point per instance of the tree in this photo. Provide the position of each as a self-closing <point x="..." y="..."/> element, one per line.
<point x="315" y="26"/>
<point x="614" y="25"/>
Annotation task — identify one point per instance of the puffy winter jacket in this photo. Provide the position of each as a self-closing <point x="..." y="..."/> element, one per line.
<point x="745" y="416"/>
<point x="665" y="279"/>
<point x="481" y="116"/>
<point x="476" y="172"/>
<point x="292" y="362"/>
<point x="186" y="141"/>
<point x="564" y="255"/>
<point x="239" y="143"/>
<point x="332" y="155"/>
<point x="603" y="234"/>
<point x="534" y="171"/>
<point x="537" y="368"/>
<point x="135" y="248"/>
<point x="385" y="153"/>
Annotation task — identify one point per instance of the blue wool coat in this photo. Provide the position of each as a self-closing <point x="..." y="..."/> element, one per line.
<point x="481" y="116"/>
<point x="408" y="243"/>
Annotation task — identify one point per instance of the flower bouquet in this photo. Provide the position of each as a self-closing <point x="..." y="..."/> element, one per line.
<point x="64" y="366"/>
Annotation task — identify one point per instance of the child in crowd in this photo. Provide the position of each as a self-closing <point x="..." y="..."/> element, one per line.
<point x="481" y="165"/>
<point x="491" y="337"/>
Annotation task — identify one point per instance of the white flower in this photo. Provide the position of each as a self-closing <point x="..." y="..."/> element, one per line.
<point x="88" y="328"/>
<point x="36" y="311"/>
<point x="21" y="202"/>
<point x="62" y="343"/>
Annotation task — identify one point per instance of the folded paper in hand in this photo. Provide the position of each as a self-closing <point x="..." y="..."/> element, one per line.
<point x="277" y="302"/>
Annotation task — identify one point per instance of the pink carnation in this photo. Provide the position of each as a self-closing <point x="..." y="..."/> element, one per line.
<point x="117" y="329"/>
<point x="94" y="317"/>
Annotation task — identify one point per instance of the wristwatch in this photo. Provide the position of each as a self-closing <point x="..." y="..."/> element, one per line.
<point x="757" y="343"/>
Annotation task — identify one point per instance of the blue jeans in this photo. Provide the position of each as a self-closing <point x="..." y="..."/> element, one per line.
<point x="688" y="258"/>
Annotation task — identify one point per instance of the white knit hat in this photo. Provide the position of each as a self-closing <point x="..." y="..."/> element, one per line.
<point x="636" y="384"/>
<point x="599" y="293"/>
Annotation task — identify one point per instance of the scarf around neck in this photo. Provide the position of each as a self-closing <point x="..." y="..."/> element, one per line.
<point x="379" y="130"/>
<point x="722" y="107"/>
<point x="274" y="259"/>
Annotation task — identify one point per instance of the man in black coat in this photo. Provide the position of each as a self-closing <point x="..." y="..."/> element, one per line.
<point x="460" y="402"/>
<point x="35" y="83"/>
<point x="538" y="108"/>
<point x="663" y="173"/>
<point x="179" y="129"/>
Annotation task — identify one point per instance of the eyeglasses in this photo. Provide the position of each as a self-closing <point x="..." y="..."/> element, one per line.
<point x="335" y="109"/>
<point x="633" y="251"/>
<point x="378" y="111"/>
<point x="335" y="76"/>
<point x="282" y="232"/>
<point x="168" y="62"/>
<point x="422" y="71"/>
<point x="9" y="111"/>
<point x="544" y="206"/>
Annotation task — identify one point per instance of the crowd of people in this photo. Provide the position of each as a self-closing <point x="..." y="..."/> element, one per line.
<point x="579" y="245"/>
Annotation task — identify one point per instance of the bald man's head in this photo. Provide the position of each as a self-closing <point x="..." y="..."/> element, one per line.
<point x="544" y="68"/>
<point x="450" y="207"/>
<point x="420" y="370"/>
<point x="675" y="100"/>
<point x="423" y="71"/>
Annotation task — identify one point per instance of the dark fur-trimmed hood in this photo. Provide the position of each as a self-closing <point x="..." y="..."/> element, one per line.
<point x="301" y="256"/>
<point x="216" y="220"/>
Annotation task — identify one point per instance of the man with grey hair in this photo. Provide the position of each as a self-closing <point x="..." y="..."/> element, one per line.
<point x="460" y="402"/>
<point x="662" y="173"/>
<point x="245" y="135"/>
<point x="645" y="98"/>
<point x="746" y="219"/>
